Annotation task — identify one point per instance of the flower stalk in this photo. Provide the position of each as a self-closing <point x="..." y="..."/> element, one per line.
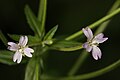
<point x="94" y="24"/>
<point x="100" y="29"/>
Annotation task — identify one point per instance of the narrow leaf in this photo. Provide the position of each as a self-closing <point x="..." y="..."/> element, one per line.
<point x="95" y="73"/>
<point x="32" y="39"/>
<point x="87" y="75"/>
<point x="32" y="20"/>
<point x="51" y="33"/>
<point x="6" y="57"/>
<point x="32" y="70"/>
<point x="14" y="37"/>
<point x="2" y="37"/>
<point x="66" y="45"/>
<point x="42" y="14"/>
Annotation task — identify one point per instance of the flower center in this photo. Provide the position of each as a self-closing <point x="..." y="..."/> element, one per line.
<point x="93" y="43"/>
<point x="20" y="50"/>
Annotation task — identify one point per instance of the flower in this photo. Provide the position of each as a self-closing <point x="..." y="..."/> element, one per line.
<point x="20" y="49"/>
<point x="93" y="42"/>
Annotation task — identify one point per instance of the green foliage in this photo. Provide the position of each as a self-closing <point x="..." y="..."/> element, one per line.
<point x="42" y="15"/>
<point x="32" y="39"/>
<point x="33" y="70"/>
<point x="14" y="37"/>
<point x="37" y="24"/>
<point x="51" y="33"/>
<point x="6" y="57"/>
<point x="2" y="37"/>
<point x="65" y="45"/>
<point x="32" y="21"/>
<point x="87" y="75"/>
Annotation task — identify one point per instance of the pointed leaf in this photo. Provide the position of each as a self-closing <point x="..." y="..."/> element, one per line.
<point x="86" y="76"/>
<point x="66" y="45"/>
<point x="42" y="14"/>
<point x="32" y="70"/>
<point x="2" y="37"/>
<point x="14" y="37"/>
<point x="32" y="39"/>
<point x="6" y="57"/>
<point x="51" y="33"/>
<point x="32" y="20"/>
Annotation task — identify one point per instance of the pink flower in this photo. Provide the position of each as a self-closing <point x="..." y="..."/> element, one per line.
<point x="20" y="49"/>
<point x="93" y="42"/>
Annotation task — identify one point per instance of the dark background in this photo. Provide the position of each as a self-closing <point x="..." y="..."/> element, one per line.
<point x="71" y="16"/>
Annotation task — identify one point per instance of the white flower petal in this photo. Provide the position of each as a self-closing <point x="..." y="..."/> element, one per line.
<point x="100" y="35"/>
<point x="13" y="46"/>
<point x="88" y="33"/>
<point x="96" y="53"/>
<point x="87" y="46"/>
<point x="17" y="57"/>
<point x="23" y="41"/>
<point x="99" y="38"/>
<point x="28" y="51"/>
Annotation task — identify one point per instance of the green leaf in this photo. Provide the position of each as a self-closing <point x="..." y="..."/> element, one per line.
<point x="87" y="75"/>
<point x="6" y="57"/>
<point x="51" y="33"/>
<point x="33" y="70"/>
<point x="2" y="37"/>
<point x="32" y="39"/>
<point x="14" y="37"/>
<point x="42" y="15"/>
<point x="32" y="21"/>
<point x="66" y="45"/>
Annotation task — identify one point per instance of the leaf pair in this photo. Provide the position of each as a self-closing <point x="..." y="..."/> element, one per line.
<point x="32" y="39"/>
<point x="33" y="21"/>
<point x="37" y="24"/>
<point x="33" y="70"/>
<point x="6" y="57"/>
<point x="65" y="45"/>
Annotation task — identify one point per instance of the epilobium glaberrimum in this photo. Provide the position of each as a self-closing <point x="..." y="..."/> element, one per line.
<point x="93" y="42"/>
<point x="21" y="49"/>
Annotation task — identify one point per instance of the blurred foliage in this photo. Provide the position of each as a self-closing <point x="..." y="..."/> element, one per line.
<point x="71" y="16"/>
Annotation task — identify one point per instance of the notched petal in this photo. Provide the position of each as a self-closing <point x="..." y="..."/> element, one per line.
<point x="23" y="41"/>
<point x="13" y="46"/>
<point x="15" y="56"/>
<point x="87" y="47"/>
<point x="99" y="38"/>
<point x="96" y="53"/>
<point x="88" y="33"/>
<point x="28" y="51"/>
<point x="19" y="59"/>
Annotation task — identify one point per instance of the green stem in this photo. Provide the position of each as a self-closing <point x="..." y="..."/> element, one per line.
<point x="42" y="14"/>
<point x="2" y="37"/>
<point x="94" y="24"/>
<point x="87" y="75"/>
<point x="84" y="54"/>
<point x="35" y="44"/>
<point x="102" y="27"/>
<point x="78" y="63"/>
<point x="96" y="73"/>
<point x="37" y="70"/>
